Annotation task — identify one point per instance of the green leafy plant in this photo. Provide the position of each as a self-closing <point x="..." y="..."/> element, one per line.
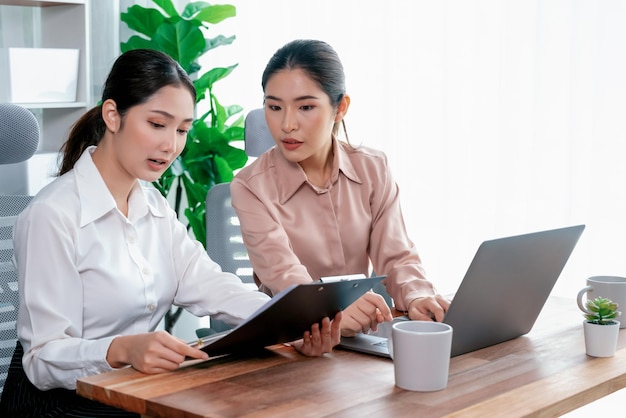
<point x="601" y="311"/>
<point x="208" y="157"/>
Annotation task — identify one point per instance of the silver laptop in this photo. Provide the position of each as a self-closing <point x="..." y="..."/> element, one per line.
<point x="501" y="295"/>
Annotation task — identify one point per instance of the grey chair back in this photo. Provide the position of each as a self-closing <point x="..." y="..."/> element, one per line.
<point x="19" y="138"/>
<point x="224" y="242"/>
<point x="257" y="136"/>
<point x="10" y="207"/>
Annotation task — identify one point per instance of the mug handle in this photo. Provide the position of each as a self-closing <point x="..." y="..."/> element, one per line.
<point x="579" y="298"/>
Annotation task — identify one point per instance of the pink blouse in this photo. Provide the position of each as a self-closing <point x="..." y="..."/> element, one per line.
<point x="296" y="232"/>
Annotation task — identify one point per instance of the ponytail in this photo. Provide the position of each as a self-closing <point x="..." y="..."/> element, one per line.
<point x="87" y="131"/>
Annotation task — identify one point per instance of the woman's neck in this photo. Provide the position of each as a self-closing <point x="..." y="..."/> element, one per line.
<point x="117" y="181"/>
<point x="318" y="169"/>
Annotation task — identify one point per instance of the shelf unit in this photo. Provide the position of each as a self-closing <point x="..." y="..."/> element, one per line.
<point x="52" y="24"/>
<point x="47" y="24"/>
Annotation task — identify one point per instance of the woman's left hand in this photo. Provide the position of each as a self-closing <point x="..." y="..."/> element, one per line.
<point x="428" y="308"/>
<point x="319" y="341"/>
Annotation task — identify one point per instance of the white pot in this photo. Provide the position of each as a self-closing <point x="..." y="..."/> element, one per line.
<point x="601" y="340"/>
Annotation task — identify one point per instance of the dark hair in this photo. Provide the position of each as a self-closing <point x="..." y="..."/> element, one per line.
<point x="135" y="76"/>
<point x="317" y="59"/>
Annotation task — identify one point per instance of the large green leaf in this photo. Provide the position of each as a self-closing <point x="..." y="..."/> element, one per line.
<point x="234" y="110"/>
<point x="219" y="114"/>
<point x="192" y="8"/>
<point x="205" y="136"/>
<point x="137" y="42"/>
<point x="142" y="20"/>
<point x="235" y="133"/>
<point x="215" y="14"/>
<point x="197" y="222"/>
<point x="225" y="170"/>
<point x="167" y="6"/>
<point x="212" y="76"/>
<point x="234" y="157"/>
<point x="183" y="41"/>
<point x="195" y="191"/>
<point x="219" y="40"/>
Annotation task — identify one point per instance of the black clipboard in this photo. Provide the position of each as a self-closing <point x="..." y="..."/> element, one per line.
<point x="287" y="316"/>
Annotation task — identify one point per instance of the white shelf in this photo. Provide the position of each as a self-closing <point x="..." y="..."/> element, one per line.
<point x="55" y="105"/>
<point x="52" y="24"/>
<point x="39" y="3"/>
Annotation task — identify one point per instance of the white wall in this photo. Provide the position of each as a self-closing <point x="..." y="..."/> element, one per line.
<point x="499" y="117"/>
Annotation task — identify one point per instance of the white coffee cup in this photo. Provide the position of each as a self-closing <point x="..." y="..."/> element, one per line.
<point x="610" y="287"/>
<point x="421" y="354"/>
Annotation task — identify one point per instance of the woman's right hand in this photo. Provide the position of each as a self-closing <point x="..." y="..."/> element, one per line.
<point x="152" y="352"/>
<point x="365" y="314"/>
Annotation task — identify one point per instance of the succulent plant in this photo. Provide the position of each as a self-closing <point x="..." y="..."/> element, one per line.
<point x="601" y="311"/>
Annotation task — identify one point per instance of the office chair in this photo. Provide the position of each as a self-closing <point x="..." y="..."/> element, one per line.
<point x="224" y="243"/>
<point x="19" y="138"/>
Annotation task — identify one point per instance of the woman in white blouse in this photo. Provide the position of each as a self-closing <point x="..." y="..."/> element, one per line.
<point x="101" y="259"/>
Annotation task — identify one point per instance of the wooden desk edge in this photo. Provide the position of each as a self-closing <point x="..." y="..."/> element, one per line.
<point x="602" y="375"/>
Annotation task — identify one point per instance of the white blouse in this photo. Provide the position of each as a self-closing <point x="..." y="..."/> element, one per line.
<point x="88" y="274"/>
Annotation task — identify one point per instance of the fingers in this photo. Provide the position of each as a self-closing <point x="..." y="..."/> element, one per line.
<point x="429" y="308"/>
<point x="177" y="350"/>
<point x="321" y="338"/>
<point x="335" y="328"/>
<point x="157" y="352"/>
<point x="315" y="338"/>
<point x="381" y="304"/>
<point x="194" y="353"/>
<point x="309" y="345"/>
<point x="320" y="341"/>
<point x="365" y="314"/>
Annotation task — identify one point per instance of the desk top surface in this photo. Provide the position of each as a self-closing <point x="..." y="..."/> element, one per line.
<point x="545" y="372"/>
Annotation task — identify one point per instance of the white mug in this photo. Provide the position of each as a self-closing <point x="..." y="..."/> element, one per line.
<point x="610" y="287"/>
<point x="421" y="354"/>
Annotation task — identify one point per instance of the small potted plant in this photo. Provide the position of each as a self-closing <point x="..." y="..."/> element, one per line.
<point x="600" y="327"/>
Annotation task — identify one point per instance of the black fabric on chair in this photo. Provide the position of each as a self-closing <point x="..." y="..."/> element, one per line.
<point x="34" y="403"/>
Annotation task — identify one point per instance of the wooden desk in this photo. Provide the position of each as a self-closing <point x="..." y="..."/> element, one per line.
<point x="545" y="373"/>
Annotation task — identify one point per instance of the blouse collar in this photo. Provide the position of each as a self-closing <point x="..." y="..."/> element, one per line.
<point x="95" y="197"/>
<point x="293" y="177"/>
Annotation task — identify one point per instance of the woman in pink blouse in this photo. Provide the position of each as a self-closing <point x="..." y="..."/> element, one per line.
<point x="314" y="206"/>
